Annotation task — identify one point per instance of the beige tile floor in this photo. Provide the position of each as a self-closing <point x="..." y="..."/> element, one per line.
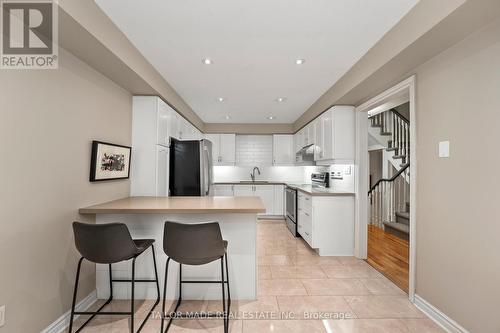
<point x="298" y="292"/>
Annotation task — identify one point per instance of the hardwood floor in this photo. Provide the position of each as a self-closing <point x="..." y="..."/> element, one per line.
<point x="389" y="255"/>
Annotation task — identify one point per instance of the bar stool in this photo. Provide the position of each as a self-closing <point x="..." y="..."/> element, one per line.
<point x="195" y="244"/>
<point x="110" y="244"/>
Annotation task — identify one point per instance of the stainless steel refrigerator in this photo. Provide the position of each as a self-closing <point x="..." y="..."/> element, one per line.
<point x="190" y="167"/>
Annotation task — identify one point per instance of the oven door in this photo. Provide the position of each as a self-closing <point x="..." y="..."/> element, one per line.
<point x="291" y="203"/>
<point x="292" y="226"/>
<point x="291" y="210"/>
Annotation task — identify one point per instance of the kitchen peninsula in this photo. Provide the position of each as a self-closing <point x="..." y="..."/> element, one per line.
<point x="145" y="217"/>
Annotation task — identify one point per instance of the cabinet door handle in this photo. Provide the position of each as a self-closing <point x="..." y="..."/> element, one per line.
<point x="306" y="233"/>
<point x="306" y="214"/>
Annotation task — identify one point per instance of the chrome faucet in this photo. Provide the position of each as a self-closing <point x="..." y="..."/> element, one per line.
<point x="252" y="175"/>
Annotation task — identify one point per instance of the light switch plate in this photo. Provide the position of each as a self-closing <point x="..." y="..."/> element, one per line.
<point x="2" y="315"/>
<point x="444" y="149"/>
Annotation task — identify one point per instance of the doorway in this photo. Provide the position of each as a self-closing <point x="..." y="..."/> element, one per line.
<point x="386" y="201"/>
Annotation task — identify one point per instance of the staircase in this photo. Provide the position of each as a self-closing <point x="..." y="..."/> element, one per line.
<point x="389" y="197"/>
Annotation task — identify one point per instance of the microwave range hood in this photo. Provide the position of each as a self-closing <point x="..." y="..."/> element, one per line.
<point x="305" y="156"/>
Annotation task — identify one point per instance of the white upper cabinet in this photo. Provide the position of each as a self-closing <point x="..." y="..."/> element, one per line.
<point x="311" y="133"/>
<point x="174" y="125"/>
<point x="333" y="134"/>
<point x="326" y="124"/>
<point x="165" y="113"/>
<point x="223" y="148"/>
<point x="339" y="133"/>
<point x="215" y="139"/>
<point x="283" y="149"/>
<point x="318" y="139"/>
<point x="301" y="139"/>
<point x="227" y="149"/>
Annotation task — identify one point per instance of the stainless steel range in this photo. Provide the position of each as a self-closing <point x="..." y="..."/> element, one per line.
<point x="291" y="210"/>
<point x="318" y="180"/>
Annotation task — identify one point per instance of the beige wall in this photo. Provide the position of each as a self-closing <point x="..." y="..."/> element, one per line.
<point x="458" y="248"/>
<point x="47" y="121"/>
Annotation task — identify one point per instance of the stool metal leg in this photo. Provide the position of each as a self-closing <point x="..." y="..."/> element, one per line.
<point x="75" y="293"/>
<point x="92" y="314"/>
<point x="175" y="314"/>
<point x="228" y="292"/>
<point x="73" y="304"/>
<point x="164" y="295"/>
<point x="110" y="285"/>
<point x="157" y="290"/>
<point x="224" y="314"/>
<point x="132" y="303"/>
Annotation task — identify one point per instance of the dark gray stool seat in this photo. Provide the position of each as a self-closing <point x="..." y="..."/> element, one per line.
<point x="108" y="244"/>
<point x="195" y="244"/>
<point x="143" y="244"/>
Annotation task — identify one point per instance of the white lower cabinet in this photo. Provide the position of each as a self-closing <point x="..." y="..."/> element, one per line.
<point x="223" y="190"/>
<point x="272" y="195"/>
<point x="279" y="200"/>
<point x="266" y="193"/>
<point x="326" y="223"/>
<point x="243" y="191"/>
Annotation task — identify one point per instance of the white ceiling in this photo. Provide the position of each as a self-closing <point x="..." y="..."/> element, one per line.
<point x="253" y="45"/>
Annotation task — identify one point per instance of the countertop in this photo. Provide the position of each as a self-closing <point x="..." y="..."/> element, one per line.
<point x="305" y="188"/>
<point x="159" y="205"/>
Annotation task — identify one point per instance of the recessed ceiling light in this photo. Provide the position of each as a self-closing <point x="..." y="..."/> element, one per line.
<point x="280" y="99"/>
<point x="300" y="61"/>
<point x="207" y="61"/>
<point x="271" y="117"/>
<point x="227" y="117"/>
<point x="221" y="99"/>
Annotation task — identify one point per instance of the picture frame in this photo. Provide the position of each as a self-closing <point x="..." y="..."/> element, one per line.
<point x="109" y="161"/>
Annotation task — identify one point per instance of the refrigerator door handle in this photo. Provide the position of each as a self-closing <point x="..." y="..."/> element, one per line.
<point x="208" y="165"/>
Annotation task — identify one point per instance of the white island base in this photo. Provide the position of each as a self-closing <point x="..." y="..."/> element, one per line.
<point x="239" y="229"/>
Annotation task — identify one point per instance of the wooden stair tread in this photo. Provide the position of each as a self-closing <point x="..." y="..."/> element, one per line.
<point x="398" y="226"/>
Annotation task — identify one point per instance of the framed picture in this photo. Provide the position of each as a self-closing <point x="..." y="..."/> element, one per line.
<point x="109" y="161"/>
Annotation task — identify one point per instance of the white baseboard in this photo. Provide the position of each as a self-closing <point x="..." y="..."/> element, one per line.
<point x="448" y="324"/>
<point x="62" y="322"/>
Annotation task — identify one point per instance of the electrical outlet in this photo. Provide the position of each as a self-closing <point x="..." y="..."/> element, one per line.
<point x="337" y="175"/>
<point x="2" y="315"/>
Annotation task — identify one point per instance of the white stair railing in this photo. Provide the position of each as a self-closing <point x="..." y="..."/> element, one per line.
<point x="389" y="196"/>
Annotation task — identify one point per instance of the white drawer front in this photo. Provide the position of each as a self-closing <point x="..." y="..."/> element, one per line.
<point x="305" y="203"/>
<point x="305" y="227"/>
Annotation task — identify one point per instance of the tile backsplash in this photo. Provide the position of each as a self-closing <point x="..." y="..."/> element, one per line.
<point x="290" y="174"/>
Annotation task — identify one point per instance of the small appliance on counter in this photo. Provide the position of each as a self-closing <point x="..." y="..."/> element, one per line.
<point x="190" y="167"/>
<point x="320" y="179"/>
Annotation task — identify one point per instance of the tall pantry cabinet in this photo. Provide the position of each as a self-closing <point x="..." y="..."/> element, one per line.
<point x="153" y="124"/>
